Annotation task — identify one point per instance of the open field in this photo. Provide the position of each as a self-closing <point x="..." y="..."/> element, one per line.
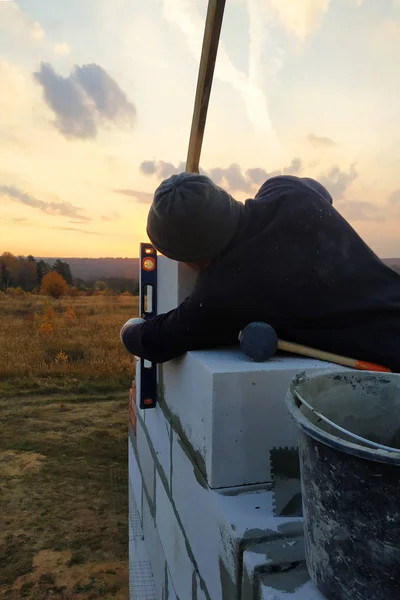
<point x="64" y="380"/>
<point x="73" y="337"/>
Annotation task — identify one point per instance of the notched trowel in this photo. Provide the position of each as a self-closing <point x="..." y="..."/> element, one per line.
<point x="286" y="487"/>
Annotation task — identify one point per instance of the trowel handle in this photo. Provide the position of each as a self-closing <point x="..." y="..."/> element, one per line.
<point x="329" y="357"/>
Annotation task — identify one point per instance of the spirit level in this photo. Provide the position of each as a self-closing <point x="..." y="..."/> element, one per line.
<point x="148" y="310"/>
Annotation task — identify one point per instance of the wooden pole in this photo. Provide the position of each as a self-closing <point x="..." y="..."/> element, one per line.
<point x="212" y="31"/>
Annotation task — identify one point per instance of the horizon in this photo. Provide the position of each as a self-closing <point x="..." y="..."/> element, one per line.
<point x="56" y="256"/>
<point x="97" y="102"/>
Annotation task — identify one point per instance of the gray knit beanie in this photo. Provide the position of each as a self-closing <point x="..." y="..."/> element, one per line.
<point x="192" y="219"/>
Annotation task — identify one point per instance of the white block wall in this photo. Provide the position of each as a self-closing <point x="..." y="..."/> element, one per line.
<point x="175" y="281"/>
<point x="192" y="464"/>
<point x="199" y="540"/>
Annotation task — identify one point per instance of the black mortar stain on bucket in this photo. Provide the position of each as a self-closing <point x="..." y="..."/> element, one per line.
<point x="395" y="440"/>
<point x="351" y="523"/>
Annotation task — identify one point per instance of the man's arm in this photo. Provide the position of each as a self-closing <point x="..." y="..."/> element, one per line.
<point x="191" y="326"/>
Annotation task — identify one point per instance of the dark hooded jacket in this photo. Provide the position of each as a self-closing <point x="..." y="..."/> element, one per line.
<point x="296" y="264"/>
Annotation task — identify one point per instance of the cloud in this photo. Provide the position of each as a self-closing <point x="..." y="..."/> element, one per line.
<point x="37" y="31"/>
<point x="337" y="181"/>
<point x="61" y="49"/>
<point x="294" y="168"/>
<point x="64" y="209"/>
<point x="390" y="29"/>
<point x="185" y="16"/>
<point x="17" y="23"/>
<point x="236" y="180"/>
<point x="111" y="102"/>
<point x="86" y="231"/>
<point x="85" y="100"/>
<point x="232" y="177"/>
<point x="162" y="169"/>
<point x="148" y="167"/>
<point x="394" y="198"/>
<point x="112" y="217"/>
<point x="362" y="211"/>
<point x="257" y="175"/>
<point x="320" y="141"/>
<point x="299" y="17"/>
<point x="20" y="220"/>
<point x="142" y="197"/>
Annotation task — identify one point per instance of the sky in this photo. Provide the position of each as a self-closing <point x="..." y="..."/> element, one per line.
<point x="96" y="101"/>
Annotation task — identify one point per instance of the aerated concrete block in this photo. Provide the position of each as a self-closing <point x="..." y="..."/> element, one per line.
<point x="159" y="430"/>
<point x="154" y="549"/>
<point x="198" y="592"/>
<point x="146" y="463"/>
<point x="232" y="411"/>
<point x="169" y="591"/>
<point x="208" y="539"/>
<point x="174" y="542"/>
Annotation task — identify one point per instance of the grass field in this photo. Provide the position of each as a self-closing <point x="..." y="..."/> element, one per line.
<point x="64" y="380"/>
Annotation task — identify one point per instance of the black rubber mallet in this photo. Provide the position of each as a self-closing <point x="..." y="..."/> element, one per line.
<point x="259" y="341"/>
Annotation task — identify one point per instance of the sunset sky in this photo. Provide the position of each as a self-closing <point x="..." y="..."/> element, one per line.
<point x="96" y="100"/>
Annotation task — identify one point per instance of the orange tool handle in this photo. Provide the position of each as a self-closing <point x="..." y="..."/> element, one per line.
<point x="329" y="357"/>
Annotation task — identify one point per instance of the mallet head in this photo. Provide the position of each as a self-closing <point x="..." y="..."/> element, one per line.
<point x="258" y="341"/>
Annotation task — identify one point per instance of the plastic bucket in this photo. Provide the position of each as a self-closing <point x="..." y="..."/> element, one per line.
<point x="350" y="492"/>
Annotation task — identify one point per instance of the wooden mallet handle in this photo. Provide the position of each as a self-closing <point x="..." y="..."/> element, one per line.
<point x="329" y="357"/>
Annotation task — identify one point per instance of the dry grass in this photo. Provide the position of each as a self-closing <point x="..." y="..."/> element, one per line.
<point x="63" y="449"/>
<point x="74" y="337"/>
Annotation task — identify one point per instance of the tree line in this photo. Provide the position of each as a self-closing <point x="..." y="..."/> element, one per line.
<point x="28" y="274"/>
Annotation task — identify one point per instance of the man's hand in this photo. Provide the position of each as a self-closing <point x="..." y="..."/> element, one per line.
<point x="130" y="323"/>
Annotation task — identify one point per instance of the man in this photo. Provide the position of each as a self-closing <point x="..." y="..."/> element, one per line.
<point x="287" y="258"/>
